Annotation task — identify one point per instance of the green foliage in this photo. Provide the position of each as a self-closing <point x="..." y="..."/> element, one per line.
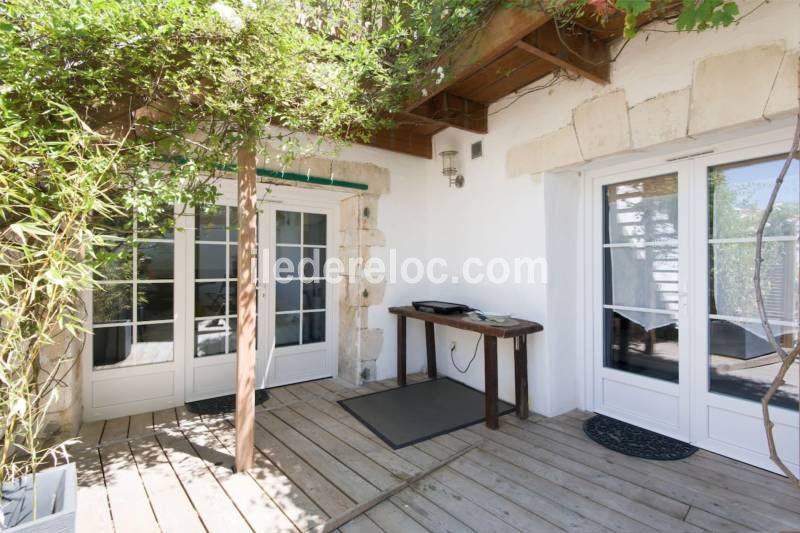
<point x="705" y="14"/>
<point x="113" y="111"/>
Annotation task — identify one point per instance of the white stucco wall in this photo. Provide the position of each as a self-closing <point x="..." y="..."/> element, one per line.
<point x="507" y="211"/>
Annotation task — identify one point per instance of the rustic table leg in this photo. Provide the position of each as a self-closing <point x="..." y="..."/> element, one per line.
<point x="401" y="350"/>
<point x="430" y="345"/>
<point x="490" y="365"/>
<point x="521" y="375"/>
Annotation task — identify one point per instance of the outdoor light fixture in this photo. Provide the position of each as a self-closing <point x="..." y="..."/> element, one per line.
<point x="449" y="169"/>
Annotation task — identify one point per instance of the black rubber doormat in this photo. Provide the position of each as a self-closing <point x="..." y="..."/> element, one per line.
<point x="222" y="404"/>
<point x="418" y="412"/>
<point x="635" y="441"/>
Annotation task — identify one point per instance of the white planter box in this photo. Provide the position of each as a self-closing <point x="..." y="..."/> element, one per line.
<point x="56" y="490"/>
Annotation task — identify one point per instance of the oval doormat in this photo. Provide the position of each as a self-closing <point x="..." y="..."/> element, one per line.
<point x="635" y="441"/>
<point x="222" y="404"/>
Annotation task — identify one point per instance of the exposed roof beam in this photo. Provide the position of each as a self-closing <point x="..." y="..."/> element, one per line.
<point x="405" y="140"/>
<point x="501" y="31"/>
<point x="451" y="110"/>
<point x="572" y="49"/>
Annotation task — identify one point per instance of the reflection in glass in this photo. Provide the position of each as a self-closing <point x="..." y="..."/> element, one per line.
<point x="115" y="260"/>
<point x="287" y="224"/>
<point x="209" y="299"/>
<point x="111" y="346"/>
<point x="645" y="276"/>
<point x="742" y="362"/>
<point x="642" y="211"/>
<point x="233" y="297"/>
<point x="210" y="224"/>
<point x="641" y="276"/>
<point x="314" y="294"/>
<point x="232" y="336"/>
<point x="313" y="262"/>
<point x="209" y="261"/>
<point x="155" y="260"/>
<point x="287" y="261"/>
<point x="287" y="329"/>
<point x="112" y="303"/>
<point x="233" y="261"/>
<point x="313" y="327"/>
<point x="153" y="343"/>
<point x="287" y="295"/>
<point x="154" y="301"/>
<point x="632" y="348"/>
<point x="210" y="337"/>
<point x="314" y="228"/>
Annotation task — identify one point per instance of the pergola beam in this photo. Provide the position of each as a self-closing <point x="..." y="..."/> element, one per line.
<point x="450" y="110"/>
<point x="501" y="31"/>
<point x="572" y="49"/>
<point x="246" y="307"/>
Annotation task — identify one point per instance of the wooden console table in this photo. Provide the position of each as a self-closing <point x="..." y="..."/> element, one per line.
<point x="491" y="333"/>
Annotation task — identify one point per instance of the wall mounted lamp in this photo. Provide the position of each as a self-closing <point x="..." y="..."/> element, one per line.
<point x="449" y="169"/>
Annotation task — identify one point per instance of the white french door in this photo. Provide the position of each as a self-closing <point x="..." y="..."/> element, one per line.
<point x="734" y="362"/>
<point x="678" y="345"/>
<point x="296" y="324"/>
<point x="211" y="361"/>
<point x="300" y="317"/>
<point x="642" y="354"/>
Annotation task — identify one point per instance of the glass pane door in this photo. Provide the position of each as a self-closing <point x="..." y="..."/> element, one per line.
<point x="741" y="360"/>
<point x="216" y="249"/>
<point x="300" y="288"/>
<point x="641" y="277"/>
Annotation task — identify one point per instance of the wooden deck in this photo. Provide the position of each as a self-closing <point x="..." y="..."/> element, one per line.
<point x="317" y="468"/>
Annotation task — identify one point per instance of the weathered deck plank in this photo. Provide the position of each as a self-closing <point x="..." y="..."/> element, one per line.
<point x="317" y="466"/>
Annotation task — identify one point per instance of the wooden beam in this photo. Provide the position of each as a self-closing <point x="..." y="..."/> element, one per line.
<point x="501" y="31"/>
<point x="451" y="110"/>
<point x="246" y="308"/>
<point x="404" y="139"/>
<point x="572" y="49"/>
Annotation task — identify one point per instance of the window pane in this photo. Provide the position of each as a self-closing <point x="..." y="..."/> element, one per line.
<point x="154" y="301"/>
<point x="731" y="289"/>
<point x="743" y="363"/>
<point x="287" y="329"/>
<point x="738" y="194"/>
<point x="314" y="294"/>
<point x="153" y="343"/>
<point x="209" y="261"/>
<point x="233" y="297"/>
<point x="313" y="327"/>
<point x="210" y="224"/>
<point x="643" y="210"/>
<point x="111" y="345"/>
<point x="287" y="261"/>
<point x="651" y="352"/>
<point x="287" y="296"/>
<point x="233" y="261"/>
<point x="115" y="261"/>
<point x="232" y="348"/>
<point x="314" y="228"/>
<point x="287" y="227"/>
<point x="210" y="337"/>
<point x="314" y="262"/>
<point x="112" y="303"/>
<point x="233" y="224"/>
<point x="209" y="299"/>
<point x="155" y="260"/>
<point x="644" y="276"/>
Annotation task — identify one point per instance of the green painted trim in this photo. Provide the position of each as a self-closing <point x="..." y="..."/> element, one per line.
<point x="302" y="178"/>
